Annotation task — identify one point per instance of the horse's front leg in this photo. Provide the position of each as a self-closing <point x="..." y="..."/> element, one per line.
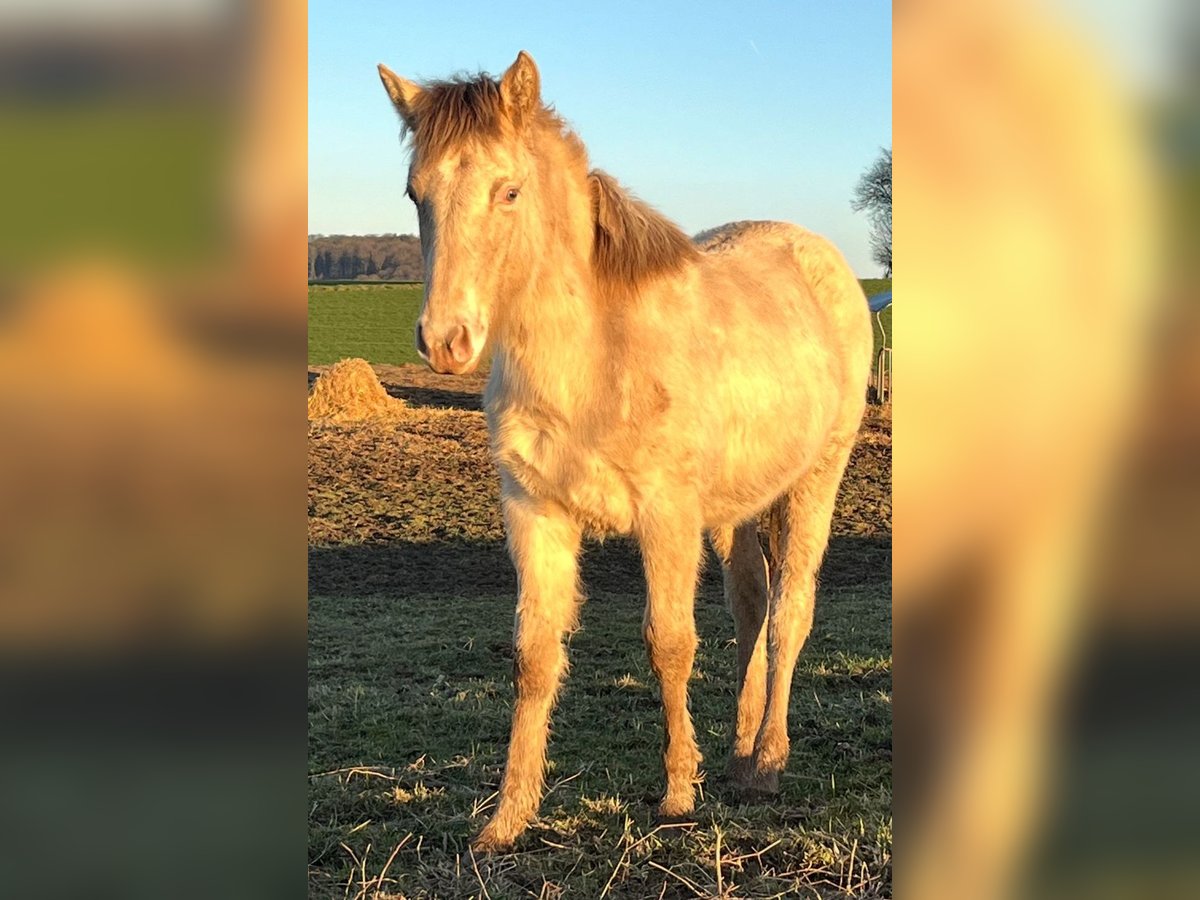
<point x="671" y="548"/>
<point x="544" y="544"/>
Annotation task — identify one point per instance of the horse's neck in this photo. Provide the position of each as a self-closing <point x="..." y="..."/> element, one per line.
<point x="551" y="351"/>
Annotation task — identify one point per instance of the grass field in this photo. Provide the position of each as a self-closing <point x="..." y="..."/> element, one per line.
<point x="410" y="623"/>
<point x="372" y="321"/>
<point x="376" y="321"/>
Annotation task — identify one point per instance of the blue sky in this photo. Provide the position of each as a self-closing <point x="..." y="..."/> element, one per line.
<point x="711" y="112"/>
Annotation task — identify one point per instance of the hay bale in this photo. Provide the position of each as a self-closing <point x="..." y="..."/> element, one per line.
<point x="349" y="391"/>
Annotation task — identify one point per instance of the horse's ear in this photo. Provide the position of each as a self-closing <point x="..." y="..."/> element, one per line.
<point x="521" y="87"/>
<point x="604" y="204"/>
<point x="403" y="92"/>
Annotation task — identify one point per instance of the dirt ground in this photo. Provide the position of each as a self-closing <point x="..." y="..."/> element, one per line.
<point x="429" y="478"/>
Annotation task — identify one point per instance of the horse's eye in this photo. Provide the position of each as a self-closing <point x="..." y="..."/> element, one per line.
<point x="408" y="192"/>
<point x="511" y="195"/>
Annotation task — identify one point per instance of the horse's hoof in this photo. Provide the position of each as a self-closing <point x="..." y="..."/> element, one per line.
<point x="675" y="812"/>
<point x="489" y="842"/>
<point x="763" y="784"/>
<point x="681" y="820"/>
<point x="740" y="772"/>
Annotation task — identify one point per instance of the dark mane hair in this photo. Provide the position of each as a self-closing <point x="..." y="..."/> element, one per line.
<point x="633" y="241"/>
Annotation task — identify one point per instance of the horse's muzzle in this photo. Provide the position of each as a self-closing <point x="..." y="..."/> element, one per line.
<point x="454" y="354"/>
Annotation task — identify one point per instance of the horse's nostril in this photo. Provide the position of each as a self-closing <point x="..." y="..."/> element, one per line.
<point x="458" y="342"/>
<point x="422" y="347"/>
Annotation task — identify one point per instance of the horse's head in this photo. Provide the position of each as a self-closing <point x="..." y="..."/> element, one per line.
<point x="473" y="180"/>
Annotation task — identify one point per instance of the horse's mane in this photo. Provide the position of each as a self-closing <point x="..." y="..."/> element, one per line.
<point x="633" y="241"/>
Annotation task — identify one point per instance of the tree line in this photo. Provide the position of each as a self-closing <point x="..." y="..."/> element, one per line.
<point x="369" y="257"/>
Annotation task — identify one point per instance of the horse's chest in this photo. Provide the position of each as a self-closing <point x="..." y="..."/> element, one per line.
<point x="555" y="464"/>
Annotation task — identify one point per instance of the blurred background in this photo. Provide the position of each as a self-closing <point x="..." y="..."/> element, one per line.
<point x="152" y="465"/>
<point x="1047" y="471"/>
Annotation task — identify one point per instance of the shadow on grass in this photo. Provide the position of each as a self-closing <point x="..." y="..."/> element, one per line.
<point x="410" y="704"/>
<point x="476" y="569"/>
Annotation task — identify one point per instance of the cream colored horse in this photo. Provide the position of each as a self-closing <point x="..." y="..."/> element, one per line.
<point x="641" y="384"/>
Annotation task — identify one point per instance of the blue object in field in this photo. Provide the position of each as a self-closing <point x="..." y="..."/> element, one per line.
<point x="876" y="302"/>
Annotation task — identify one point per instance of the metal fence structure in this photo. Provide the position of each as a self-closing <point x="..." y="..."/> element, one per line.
<point x="880" y="384"/>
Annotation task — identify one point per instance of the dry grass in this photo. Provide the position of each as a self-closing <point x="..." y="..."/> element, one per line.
<point x="350" y="392"/>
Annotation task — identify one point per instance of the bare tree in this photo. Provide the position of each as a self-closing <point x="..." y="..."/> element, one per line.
<point x="874" y="194"/>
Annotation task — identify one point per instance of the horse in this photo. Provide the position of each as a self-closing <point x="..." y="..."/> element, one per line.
<point x="642" y="383"/>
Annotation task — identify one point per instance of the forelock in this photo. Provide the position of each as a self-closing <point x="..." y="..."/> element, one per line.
<point x="450" y="113"/>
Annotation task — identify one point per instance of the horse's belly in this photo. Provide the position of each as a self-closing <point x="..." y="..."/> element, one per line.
<point x="735" y="499"/>
<point x="761" y="458"/>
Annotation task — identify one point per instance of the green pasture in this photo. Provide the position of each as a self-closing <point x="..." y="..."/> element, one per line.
<point x="376" y="321"/>
<point x="410" y="703"/>
<point x="373" y="321"/>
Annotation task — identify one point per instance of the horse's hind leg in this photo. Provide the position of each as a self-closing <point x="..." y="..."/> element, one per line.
<point x="745" y="574"/>
<point x="801" y="520"/>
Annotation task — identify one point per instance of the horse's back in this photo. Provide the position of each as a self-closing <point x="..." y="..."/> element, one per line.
<point x="797" y="289"/>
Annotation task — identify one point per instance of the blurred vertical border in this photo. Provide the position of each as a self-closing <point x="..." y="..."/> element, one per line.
<point x="152" y="458"/>
<point x="1047" y="463"/>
